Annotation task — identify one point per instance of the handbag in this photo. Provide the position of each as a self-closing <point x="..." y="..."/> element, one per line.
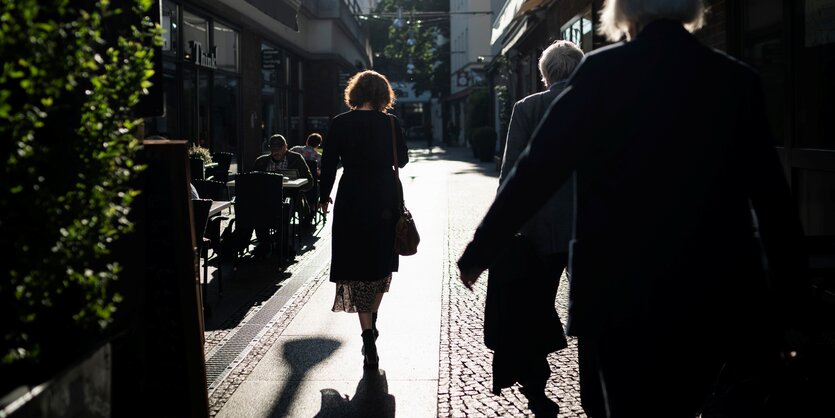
<point x="406" y="237"/>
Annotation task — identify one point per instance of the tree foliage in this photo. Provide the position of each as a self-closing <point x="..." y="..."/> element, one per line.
<point x="419" y="42"/>
<point x="66" y="98"/>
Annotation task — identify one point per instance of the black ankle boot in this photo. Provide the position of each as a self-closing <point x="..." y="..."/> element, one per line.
<point x="369" y="350"/>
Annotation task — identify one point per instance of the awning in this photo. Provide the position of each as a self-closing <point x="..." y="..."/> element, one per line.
<point x="284" y="11"/>
<point x="514" y="21"/>
<point x="514" y="36"/>
<point x="531" y="6"/>
<point x="504" y="18"/>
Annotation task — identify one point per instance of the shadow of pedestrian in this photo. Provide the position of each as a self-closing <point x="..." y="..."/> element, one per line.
<point x="301" y="355"/>
<point x="371" y="399"/>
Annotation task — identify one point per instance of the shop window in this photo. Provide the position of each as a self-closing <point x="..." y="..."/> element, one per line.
<point x="224" y="118"/>
<point x="816" y="195"/>
<point x="195" y="103"/>
<point x="195" y="32"/>
<point x="764" y="48"/>
<point x="815" y="83"/>
<point x="579" y="31"/>
<point x="168" y="125"/>
<point x="273" y="95"/>
<point x="170" y="31"/>
<point x="226" y="47"/>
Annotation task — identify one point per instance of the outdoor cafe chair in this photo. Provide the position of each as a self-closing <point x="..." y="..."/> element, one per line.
<point x="221" y="171"/>
<point x="211" y="189"/>
<point x="259" y="201"/>
<point x="217" y="191"/>
<point x="312" y="195"/>
<point x="201" y="209"/>
<point x="223" y="159"/>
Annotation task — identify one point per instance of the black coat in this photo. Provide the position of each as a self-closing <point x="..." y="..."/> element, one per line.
<point x="670" y="142"/>
<point x="367" y="201"/>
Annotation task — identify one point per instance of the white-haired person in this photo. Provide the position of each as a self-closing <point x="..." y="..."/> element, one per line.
<point x="525" y="279"/>
<point x="681" y="202"/>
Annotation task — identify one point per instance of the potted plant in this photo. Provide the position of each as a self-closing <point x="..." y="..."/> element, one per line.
<point x="66" y="96"/>
<point x="484" y="143"/>
<point x="199" y="157"/>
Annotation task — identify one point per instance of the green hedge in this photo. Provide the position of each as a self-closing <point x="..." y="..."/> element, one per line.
<point x="66" y="98"/>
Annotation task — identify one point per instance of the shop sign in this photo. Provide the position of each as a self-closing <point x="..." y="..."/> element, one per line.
<point x="270" y="59"/>
<point x="200" y="57"/>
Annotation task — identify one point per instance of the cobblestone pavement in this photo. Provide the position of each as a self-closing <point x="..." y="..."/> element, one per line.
<point x="464" y="388"/>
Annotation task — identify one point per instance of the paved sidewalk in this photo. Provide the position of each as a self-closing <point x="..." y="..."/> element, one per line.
<point x="305" y="361"/>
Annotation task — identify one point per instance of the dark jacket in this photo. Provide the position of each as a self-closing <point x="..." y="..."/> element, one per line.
<point x="294" y="161"/>
<point x="672" y="150"/>
<point x="368" y="199"/>
<point x="550" y="229"/>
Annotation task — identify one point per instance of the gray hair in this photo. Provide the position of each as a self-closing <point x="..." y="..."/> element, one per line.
<point x="558" y="61"/>
<point x="618" y="16"/>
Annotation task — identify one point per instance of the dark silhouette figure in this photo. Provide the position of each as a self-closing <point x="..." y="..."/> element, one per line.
<point x="523" y="283"/>
<point x="370" y="400"/>
<point x="680" y="197"/>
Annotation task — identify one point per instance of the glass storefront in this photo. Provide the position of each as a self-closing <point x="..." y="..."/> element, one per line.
<point x="280" y="94"/>
<point x="816" y="84"/>
<point x="224" y="117"/>
<point x="579" y="30"/>
<point x="791" y="43"/>
<point x="201" y="73"/>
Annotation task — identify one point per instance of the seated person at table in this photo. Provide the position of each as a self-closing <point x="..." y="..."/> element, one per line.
<point x="310" y="151"/>
<point x="280" y="158"/>
<point x="277" y="160"/>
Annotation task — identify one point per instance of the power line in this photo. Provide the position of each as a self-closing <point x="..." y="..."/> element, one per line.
<point x="425" y="15"/>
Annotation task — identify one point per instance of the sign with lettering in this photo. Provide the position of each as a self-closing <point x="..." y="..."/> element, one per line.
<point x="199" y="56"/>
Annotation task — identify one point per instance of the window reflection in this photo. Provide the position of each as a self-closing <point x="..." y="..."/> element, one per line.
<point x="226" y="44"/>
<point x="579" y="30"/>
<point x="765" y="49"/>
<point x="225" y="113"/>
<point x="816" y="85"/>
<point x="195" y="29"/>
<point x="169" y="28"/>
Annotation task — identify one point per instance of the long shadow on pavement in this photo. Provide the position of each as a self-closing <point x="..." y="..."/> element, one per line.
<point x="301" y="355"/>
<point x="371" y="399"/>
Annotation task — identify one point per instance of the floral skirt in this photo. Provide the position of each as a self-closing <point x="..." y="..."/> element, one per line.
<point x="357" y="296"/>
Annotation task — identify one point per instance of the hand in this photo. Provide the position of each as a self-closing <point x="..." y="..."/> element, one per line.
<point x="470" y="277"/>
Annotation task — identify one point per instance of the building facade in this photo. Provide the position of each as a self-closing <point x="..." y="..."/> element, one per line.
<point x="790" y="42"/>
<point x="469" y="27"/>
<point x="236" y="72"/>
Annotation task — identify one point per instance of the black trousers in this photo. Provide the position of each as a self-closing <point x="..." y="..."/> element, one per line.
<point x="534" y="368"/>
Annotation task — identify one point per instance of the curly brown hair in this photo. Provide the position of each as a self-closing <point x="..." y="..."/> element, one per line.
<point x="369" y="87"/>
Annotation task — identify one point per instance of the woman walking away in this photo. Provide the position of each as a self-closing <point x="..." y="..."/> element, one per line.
<point x="367" y="201"/>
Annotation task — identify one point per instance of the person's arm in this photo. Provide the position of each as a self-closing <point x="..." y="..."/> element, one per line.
<point x="518" y="133"/>
<point x="259" y="164"/>
<point x="402" y="150"/>
<point x="330" y="161"/>
<point x="304" y="171"/>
